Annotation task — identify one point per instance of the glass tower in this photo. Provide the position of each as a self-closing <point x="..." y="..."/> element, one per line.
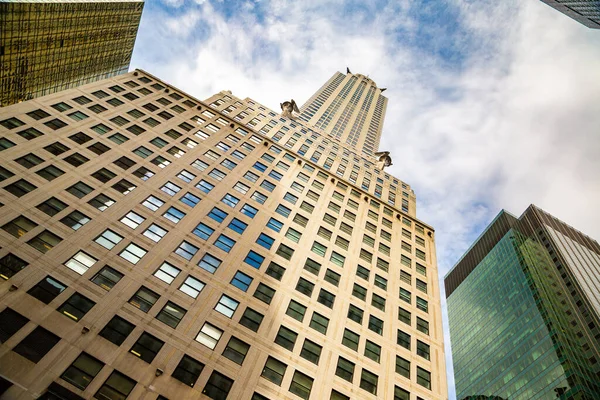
<point x="521" y="326"/>
<point x="155" y="246"/>
<point x="586" y="12"/>
<point x="51" y="45"/>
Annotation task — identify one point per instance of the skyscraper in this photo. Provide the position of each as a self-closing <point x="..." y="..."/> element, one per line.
<point x="51" y="45"/>
<point x="524" y="311"/>
<point x="157" y="246"/>
<point x="350" y="109"/>
<point x="586" y="12"/>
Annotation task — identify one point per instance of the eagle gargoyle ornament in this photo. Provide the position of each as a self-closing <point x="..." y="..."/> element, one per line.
<point x="383" y="159"/>
<point x="288" y="108"/>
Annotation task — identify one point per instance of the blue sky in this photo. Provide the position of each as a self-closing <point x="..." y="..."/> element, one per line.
<point x="492" y="104"/>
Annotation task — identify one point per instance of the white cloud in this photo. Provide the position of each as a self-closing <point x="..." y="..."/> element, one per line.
<point x="514" y="122"/>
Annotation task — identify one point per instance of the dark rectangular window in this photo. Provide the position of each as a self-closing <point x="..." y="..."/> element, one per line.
<point x="50" y="172"/>
<point x="403" y="339"/>
<point x="401" y="394"/>
<point x="319" y="323"/>
<point x="75" y="220"/>
<point x="404" y="315"/>
<point x="76" y="159"/>
<point x="10" y="323"/>
<point x="264" y="293"/>
<point x="56" y="148"/>
<point x="424" y="378"/>
<point x="19" y="226"/>
<point x="80" y="190"/>
<point x="47" y="289"/>
<point x="188" y="370"/>
<point x="368" y="381"/>
<point x="37" y="344"/>
<point x="147" y="347"/>
<point x="378" y="302"/>
<point x="286" y="338"/>
<point x="296" y="310"/>
<point x="20" y="188"/>
<point x="5" y="174"/>
<point x="117" y="386"/>
<point x="372" y="351"/>
<point x="101" y="202"/>
<point x="52" y="206"/>
<point x="124" y="186"/>
<point x="301" y="385"/>
<point x="274" y="370"/>
<point x="144" y="299"/>
<point x="355" y="314"/>
<point x="380" y="282"/>
<point x="285" y="251"/>
<point x="332" y="277"/>
<point x="326" y="298"/>
<point x="107" y="278"/>
<point x="38" y="114"/>
<point x="29" y="134"/>
<point x="350" y="339"/>
<point x="218" y="386"/>
<point x="55" y="124"/>
<point x="275" y="270"/>
<point x="305" y="287"/>
<point x="403" y="367"/>
<point x="76" y="306"/>
<point x="236" y="350"/>
<point x="117" y="330"/>
<point x="251" y="319"/>
<point x="98" y="148"/>
<point x="311" y="351"/>
<point x="143" y="173"/>
<point x="124" y="162"/>
<point x="335" y="395"/>
<point x="359" y="291"/>
<point x="345" y="369"/>
<point x="422" y="326"/>
<point x="423" y="349"/>
<point x="82" y="371"/>
<point x="312" y="266"/>
<point x="12" y="123"/>
<point x="375" y="324"/>
<point x="6" y="144"/>
<point x="171" y="314"/>
<point x="10" y="265"/>
<point x="61" y="106"/>
<point x="29" y="160"/>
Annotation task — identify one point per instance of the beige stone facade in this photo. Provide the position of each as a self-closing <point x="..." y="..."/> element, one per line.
<point x="331" y="289"/>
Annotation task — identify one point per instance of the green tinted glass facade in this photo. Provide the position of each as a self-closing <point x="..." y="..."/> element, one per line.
<point x="510" y="323"/>
<point x="48" y="46"/>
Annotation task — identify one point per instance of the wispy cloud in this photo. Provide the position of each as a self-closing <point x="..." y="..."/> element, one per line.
<point x="492" y="104"/>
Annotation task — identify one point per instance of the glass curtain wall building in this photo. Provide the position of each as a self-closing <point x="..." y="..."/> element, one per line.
<point x="586" y="12"/>
<point x="523" y="311"/>
<point x="51" y="45"/>
<point x="155" y="246"/>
